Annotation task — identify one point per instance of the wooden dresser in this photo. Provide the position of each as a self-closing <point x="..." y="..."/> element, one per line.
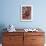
<point x="23" y="39"/>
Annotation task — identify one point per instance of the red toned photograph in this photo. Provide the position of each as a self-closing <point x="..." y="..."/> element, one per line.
<point x="26" y="13"/>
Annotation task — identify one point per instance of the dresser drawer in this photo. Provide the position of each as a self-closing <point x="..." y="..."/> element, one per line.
<point x="37" y="45"/>
<point x="34" y="33"/>
<point x="12" y="39"/>
<point x="37" y="39"/>
<point x="12" y="44"/>
<point x="8" y="45"/>
<point x="13" y="33"/>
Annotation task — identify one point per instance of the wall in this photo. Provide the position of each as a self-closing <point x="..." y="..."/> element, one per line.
<point x="10" y="13"/>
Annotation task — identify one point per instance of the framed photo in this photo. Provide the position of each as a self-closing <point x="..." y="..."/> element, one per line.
<point x="26" y="12"/>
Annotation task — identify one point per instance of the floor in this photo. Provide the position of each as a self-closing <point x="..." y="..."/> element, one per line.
<point x="0" y="44"/>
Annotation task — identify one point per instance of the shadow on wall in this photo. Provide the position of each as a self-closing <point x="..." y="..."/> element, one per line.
<point x="2" y="26"/>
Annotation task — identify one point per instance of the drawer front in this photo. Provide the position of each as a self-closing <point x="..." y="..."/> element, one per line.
<point x="37" y="45"/>
<point x="8" y="39"/>
<point x="37" y="39"/>
<point x="13" y="33"/>
<point x="34" y="33"/>
<point x="13" y="40"/>
<point x="12" y="44"/>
